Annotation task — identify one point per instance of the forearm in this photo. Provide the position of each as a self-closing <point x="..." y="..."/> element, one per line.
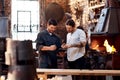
<point x="48" y="48"/>
<point x="81" y="44"/>
<point x="44" y="48"/>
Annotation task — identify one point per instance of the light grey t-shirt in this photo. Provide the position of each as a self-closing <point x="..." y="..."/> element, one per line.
<point x="77" y="36"/>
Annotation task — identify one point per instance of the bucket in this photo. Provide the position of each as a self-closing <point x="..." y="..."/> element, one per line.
<point x="20" y="58"/>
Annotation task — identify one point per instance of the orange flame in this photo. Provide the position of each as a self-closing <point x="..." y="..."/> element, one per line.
<point x="109" y="48"/>
<point x="96" y="47"/>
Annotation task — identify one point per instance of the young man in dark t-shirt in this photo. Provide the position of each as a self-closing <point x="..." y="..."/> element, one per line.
<point x="47" y="43"/>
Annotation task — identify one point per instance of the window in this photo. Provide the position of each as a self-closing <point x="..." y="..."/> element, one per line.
<point x="25" y="19"/>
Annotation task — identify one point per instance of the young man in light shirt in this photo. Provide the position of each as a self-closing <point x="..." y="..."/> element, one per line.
<point x="75" y="45"/>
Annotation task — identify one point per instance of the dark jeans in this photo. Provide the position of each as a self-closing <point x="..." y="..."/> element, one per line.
<point x="48" y="61"/>
<point x="77" y="64"/>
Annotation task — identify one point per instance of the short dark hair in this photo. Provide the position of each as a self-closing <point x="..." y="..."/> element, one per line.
<point x="70" y="22"/>
<point x="52" y="21"/>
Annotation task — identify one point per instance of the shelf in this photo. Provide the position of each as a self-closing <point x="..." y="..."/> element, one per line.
<point x="97" y="6"/>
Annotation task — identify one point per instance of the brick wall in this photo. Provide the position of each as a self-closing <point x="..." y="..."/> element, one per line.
<point x="7" y="7"/>
<point x="7" y="12"/>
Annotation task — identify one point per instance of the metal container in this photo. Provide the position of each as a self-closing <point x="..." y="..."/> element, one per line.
<point x="3" y="27"/>
<point x="116" y="61"/>
<point x="20" y="58"/>
<point x="54" y="10"/>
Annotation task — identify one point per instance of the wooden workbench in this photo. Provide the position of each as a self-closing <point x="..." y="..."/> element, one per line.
<point x="44" y="72"/>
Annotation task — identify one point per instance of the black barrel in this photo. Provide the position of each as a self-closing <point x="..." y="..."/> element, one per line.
<point x="21" y="60"/>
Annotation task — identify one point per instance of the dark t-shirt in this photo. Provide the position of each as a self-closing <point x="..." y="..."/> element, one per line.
<point x="47" y="58"/>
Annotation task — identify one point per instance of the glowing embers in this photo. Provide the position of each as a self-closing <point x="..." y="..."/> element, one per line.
<point x="109" y="49"/>
<point x="95" y="45"/>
